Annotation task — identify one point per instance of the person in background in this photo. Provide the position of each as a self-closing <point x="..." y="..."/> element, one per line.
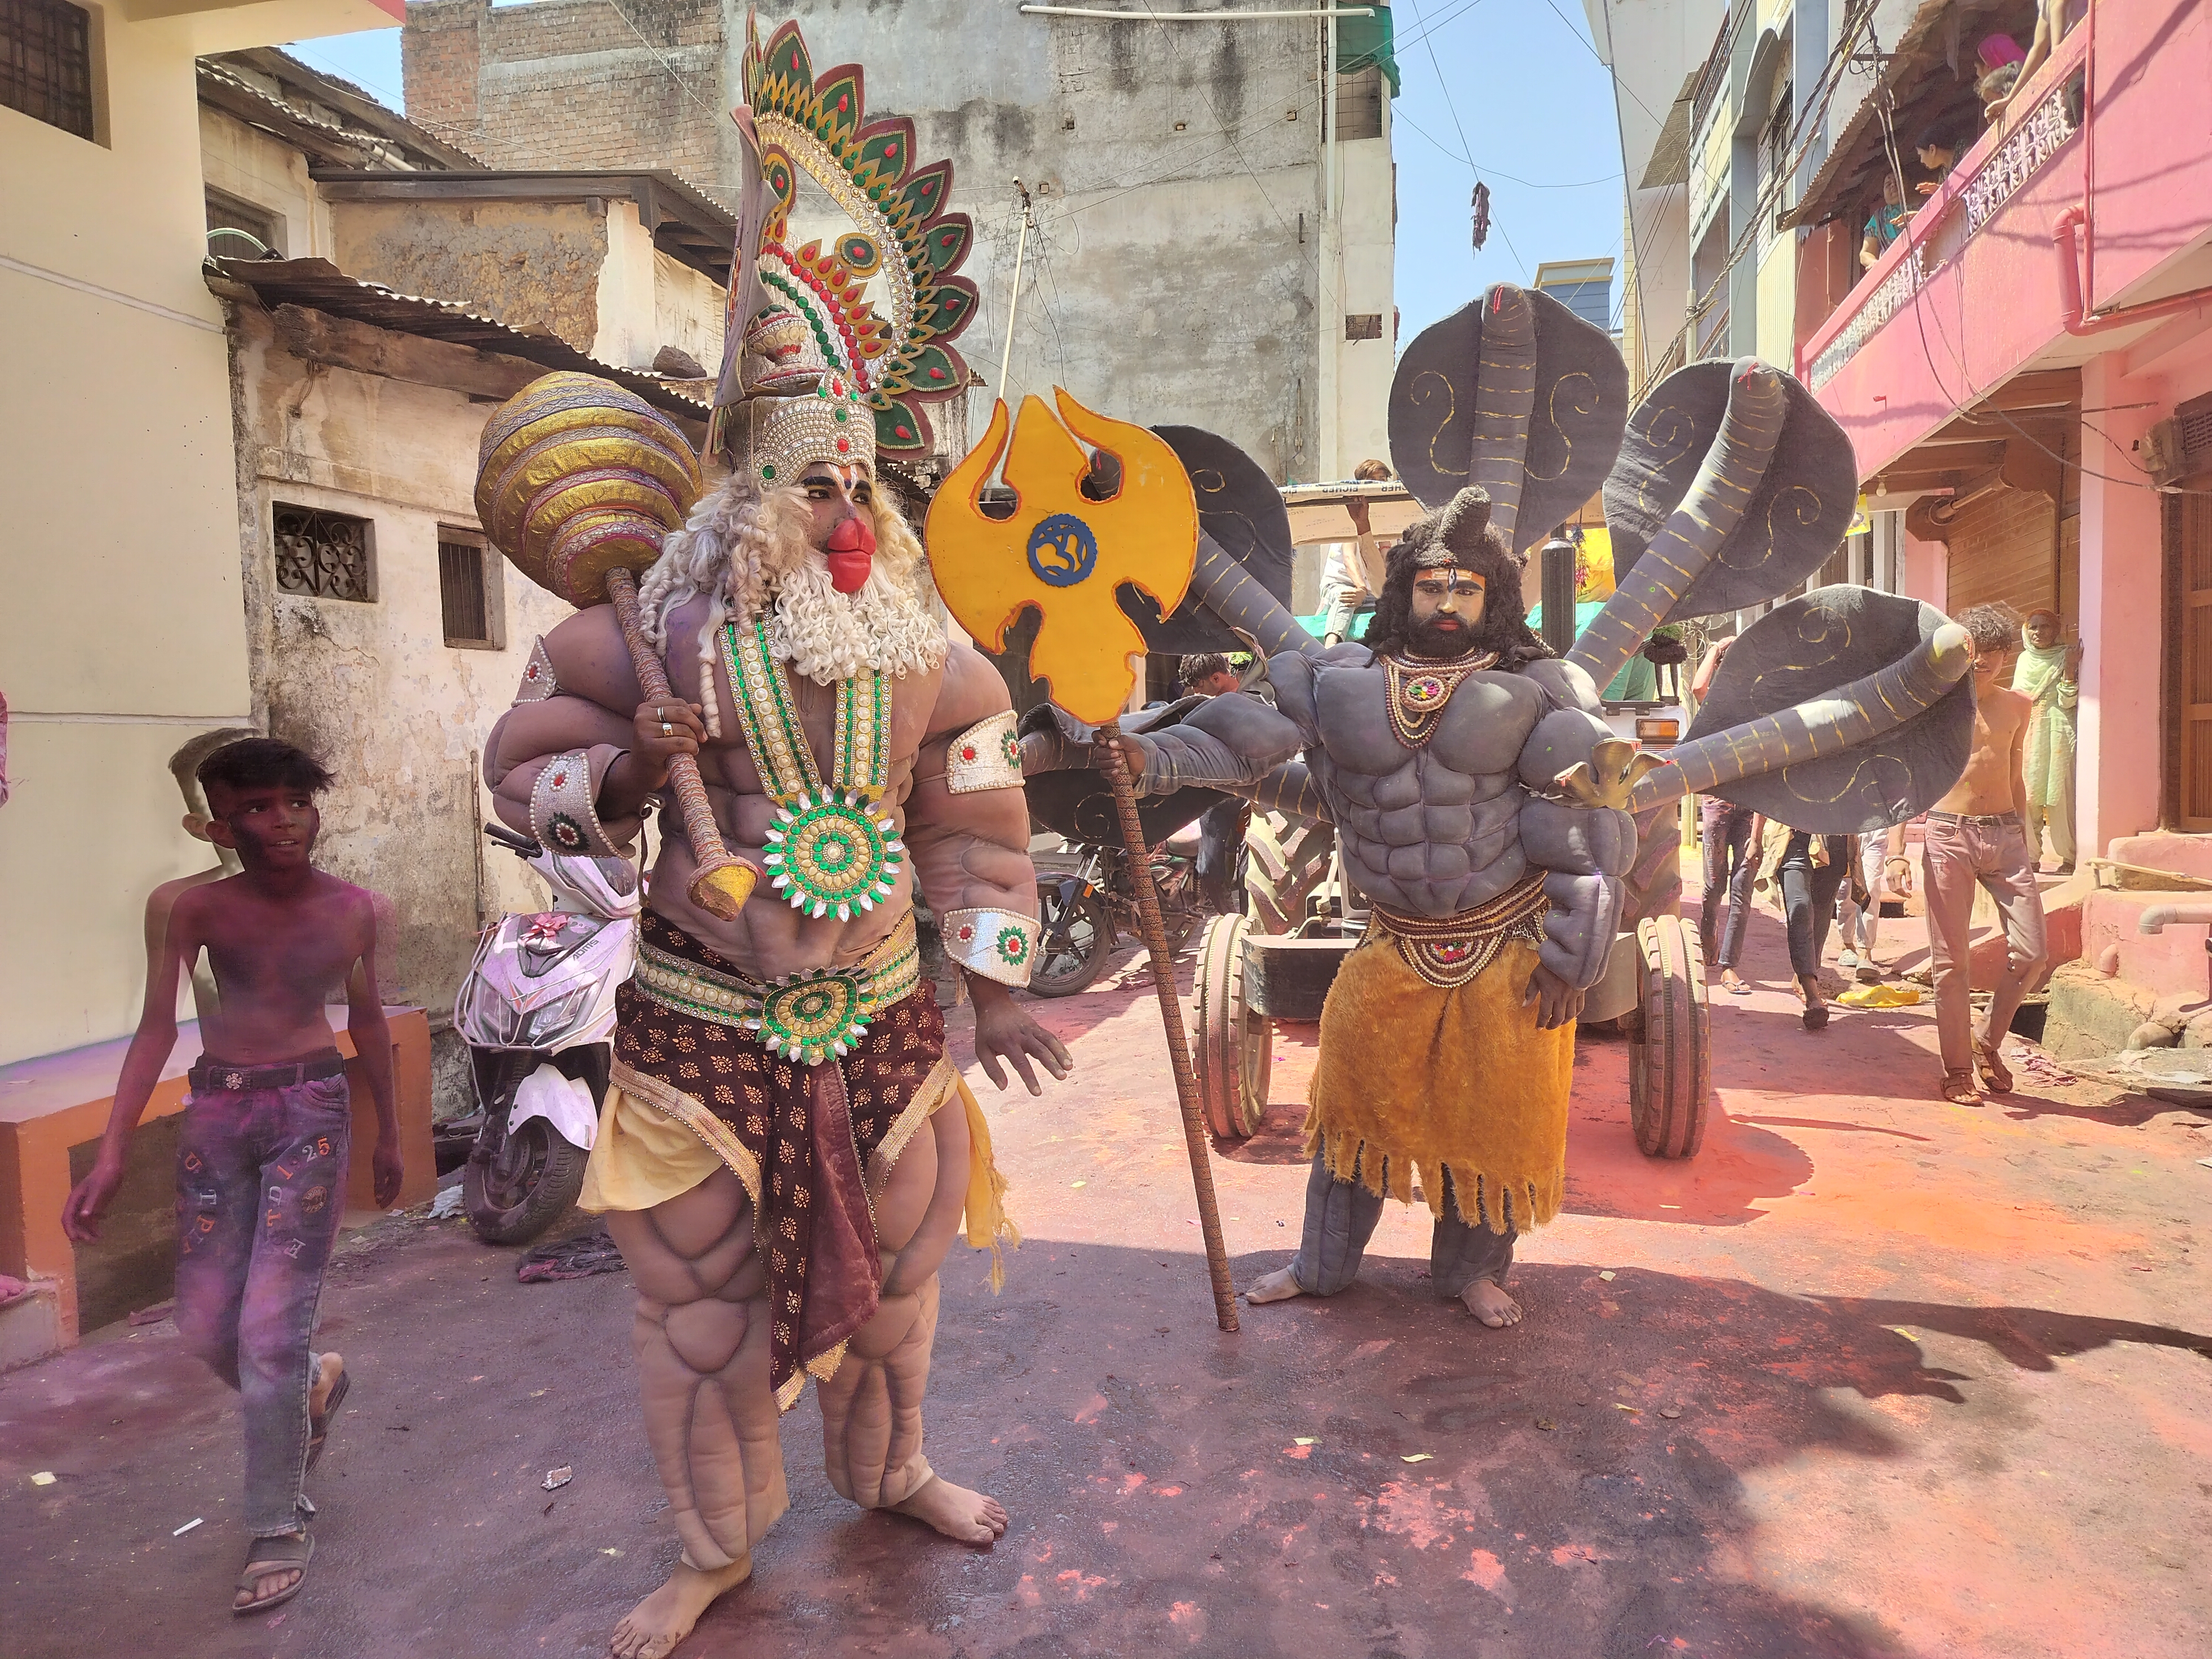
<point x="1221" y="831"/>
<point x="1808" y="869"/>
<point x="2054" y="21"/>
<point x="1344" y="578"/>
<point x="1885" y="224"/>
<point x="1975" y="837"/>
<point x="2047" y="675"/>
<point x="1999" y="58"/>
<point x="1728" y="832"/>
<point x="1880" y="866"/>
<point x="1938" y="150"/>
<point x="267" y="1130"/>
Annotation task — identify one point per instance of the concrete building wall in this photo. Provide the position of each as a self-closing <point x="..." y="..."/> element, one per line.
<point x="528" y="263"/>
<point x="266" y="172"/>
<point x="1174" y="273"/>
<point x="570" y="84"/>
<point x="371" y="687"/>
<point x="122" y="635"/>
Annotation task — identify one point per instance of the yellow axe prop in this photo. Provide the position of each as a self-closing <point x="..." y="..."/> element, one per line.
<point x="1064" y="556"/>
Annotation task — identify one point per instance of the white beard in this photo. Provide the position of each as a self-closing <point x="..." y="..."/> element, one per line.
<point x="829" y="636"/>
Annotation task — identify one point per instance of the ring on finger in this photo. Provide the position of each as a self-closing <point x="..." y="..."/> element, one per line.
<point x="666" y="730"/>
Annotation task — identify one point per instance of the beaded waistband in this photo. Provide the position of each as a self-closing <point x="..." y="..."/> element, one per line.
<point x="1448" y="951"/>
<point x="809" y="1016"/>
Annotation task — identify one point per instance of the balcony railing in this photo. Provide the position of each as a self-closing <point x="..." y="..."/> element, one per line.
<point x="1973" y="194"/>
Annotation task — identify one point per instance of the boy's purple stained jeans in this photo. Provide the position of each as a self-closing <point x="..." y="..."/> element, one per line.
<point x="260" y="1184"/>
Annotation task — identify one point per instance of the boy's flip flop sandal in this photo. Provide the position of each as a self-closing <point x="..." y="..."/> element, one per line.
<point x="318" y="1430"/>
<point x="269" y="1556"/>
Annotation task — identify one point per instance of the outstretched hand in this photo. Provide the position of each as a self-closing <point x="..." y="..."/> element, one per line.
<point x="1558" y="1003"/>
<point x="1004" y="1034"/>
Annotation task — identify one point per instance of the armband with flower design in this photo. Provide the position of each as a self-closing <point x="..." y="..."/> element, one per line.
<point x="986" y="756"/>
<point x="563" y="816"/>
<point x="999" y="944"/>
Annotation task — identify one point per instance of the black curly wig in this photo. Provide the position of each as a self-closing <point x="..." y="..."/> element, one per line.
<point x="1462" y="535"/>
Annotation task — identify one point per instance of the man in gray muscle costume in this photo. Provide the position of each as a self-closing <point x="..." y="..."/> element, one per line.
<point x="1455" y="754"/>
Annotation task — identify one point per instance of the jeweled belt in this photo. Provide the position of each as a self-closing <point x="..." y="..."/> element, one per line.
<point x="1448" y="951"/>
<point x="810" y="1017"/>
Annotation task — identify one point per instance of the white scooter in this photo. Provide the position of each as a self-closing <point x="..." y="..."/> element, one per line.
<point x="537" y="1011"/>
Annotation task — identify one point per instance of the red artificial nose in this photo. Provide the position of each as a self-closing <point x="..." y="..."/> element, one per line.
<point x="850" y="550"/>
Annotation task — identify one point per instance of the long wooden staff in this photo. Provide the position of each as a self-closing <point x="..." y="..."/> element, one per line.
<point x="577" y="481"/>
<point x="723" y="881"/>
<point x="1164" y="982"/>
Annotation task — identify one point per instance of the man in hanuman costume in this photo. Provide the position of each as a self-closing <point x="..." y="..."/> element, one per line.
<point x="1447" y="1043"/>
<point x="788" y="1150"/>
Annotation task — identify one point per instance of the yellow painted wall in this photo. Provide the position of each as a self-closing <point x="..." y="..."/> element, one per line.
<point x="122" y="633"/>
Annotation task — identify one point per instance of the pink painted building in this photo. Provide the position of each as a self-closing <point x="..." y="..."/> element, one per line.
<point x="2026" y="369"/>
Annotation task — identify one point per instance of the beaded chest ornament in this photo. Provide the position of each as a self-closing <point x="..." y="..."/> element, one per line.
<point x="831" y="850"/>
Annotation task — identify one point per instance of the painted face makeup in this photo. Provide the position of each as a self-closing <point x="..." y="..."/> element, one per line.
<point x="1448" y="597"/>
<point x="842" y="499"/>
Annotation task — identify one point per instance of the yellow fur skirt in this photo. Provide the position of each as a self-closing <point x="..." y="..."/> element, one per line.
<point x="1459" y="1084"/>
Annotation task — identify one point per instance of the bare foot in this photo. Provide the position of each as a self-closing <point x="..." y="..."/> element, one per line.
<point x="1277" y="1286"/>
<point x="967" y="1517"/>
<point x="656" y="1625"/>
<point x="1487" y="1301"/>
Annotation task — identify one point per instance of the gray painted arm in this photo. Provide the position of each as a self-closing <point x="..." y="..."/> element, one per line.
<point x="1231" y="742"/>
<point x="1864" y="708"/>
<point x="1584" y="845"/>
<point x="1290" y="790"/>
<point x="1693" y="532"/>
<point x="1248" y="608"/>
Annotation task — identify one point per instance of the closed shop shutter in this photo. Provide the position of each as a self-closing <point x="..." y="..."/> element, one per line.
<point x="2004" y="548"/>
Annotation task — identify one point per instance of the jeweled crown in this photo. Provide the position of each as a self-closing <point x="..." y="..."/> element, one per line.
<point x="797" y="409"/>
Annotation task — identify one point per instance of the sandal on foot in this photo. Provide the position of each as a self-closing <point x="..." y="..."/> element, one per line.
<point x="319" y="1427"/>
<point x="269" y="1556"/>
<point x="1991" y="1064"/>
<point x="1958" y="1088"/>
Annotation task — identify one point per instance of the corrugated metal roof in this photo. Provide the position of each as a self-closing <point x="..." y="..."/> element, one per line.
<point x="318" y="285"/>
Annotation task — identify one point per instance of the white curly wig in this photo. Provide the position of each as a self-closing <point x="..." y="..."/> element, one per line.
<point x="747" y="551"/>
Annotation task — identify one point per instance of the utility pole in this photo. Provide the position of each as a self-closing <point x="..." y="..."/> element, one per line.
<point x="1014" y="300"/>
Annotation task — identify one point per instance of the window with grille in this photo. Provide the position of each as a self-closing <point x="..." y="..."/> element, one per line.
<point x="469" y="596"/>
<point x="1773" y="196"/>
<point x="46" y="63"/>
<point x="1360" y="104"/>
<point x="331" y="556"/>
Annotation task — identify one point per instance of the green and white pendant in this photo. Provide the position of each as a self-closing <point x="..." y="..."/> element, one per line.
<point x="813" y="1020"/>
<point x="832" y="854"/>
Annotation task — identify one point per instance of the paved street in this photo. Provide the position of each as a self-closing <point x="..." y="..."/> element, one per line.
<point x="1872" y="1375"/>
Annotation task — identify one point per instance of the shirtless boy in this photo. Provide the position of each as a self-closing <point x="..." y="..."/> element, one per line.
<point x="261" y="1162"/>
<point x="1976" y="834"/>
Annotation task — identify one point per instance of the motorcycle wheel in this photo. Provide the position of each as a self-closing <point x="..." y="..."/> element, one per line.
<point x="1062" y="970"/>
<point x="526" y="1187"/>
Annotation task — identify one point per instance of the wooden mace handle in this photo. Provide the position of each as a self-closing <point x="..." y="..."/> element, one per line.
<point x="723" y="881"/>
<point x="1164" y="982"/>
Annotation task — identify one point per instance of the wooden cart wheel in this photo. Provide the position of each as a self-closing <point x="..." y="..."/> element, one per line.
<point x="1669" y="1057"/>
<point x="1234" y="1049"/>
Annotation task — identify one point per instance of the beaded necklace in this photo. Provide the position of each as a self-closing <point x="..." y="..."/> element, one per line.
<point x="831" y="847"/>
<point x="1420" y="691"/>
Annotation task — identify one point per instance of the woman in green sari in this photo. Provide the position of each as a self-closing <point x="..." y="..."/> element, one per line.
<point x="2046" y="675"/>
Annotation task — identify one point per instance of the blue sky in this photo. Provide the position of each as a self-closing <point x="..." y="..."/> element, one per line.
<point x="1511" y="86"/>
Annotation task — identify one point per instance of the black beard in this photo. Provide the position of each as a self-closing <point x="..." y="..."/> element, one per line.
<point x="1426" y="639"/>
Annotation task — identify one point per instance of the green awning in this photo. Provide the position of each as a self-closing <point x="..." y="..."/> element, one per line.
<point x="1364" y="40"/>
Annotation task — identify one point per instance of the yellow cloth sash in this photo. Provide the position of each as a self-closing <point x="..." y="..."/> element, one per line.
<point x="1457" y="1083"/>
<point x="647" y="1153"/>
